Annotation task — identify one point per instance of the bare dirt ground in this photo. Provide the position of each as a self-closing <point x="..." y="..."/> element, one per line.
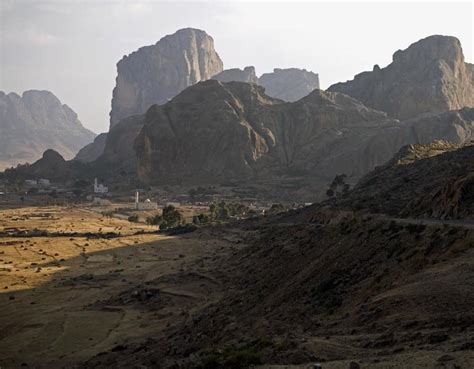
<point x="58" y="297"/>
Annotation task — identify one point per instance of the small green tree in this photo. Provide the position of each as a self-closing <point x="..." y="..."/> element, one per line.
<point x="171" y="217"/>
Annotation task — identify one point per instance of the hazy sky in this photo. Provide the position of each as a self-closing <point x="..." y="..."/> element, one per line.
<point x="71" y="47"/>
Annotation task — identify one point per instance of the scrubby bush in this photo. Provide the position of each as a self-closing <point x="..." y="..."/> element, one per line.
<point x="169" y="218"/>
<point x="154" y="220"/>
<point x="338" y="186"/>
<point x="276" y="208"/>
<point x="201" y="219"/>
<point x="133" y="218"/>
<point x="224" y="210"/>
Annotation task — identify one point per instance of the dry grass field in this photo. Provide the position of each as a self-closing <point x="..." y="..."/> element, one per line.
<point x="54" y="308"/>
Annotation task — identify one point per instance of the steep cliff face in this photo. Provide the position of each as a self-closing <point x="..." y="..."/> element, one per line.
<point x="289" y="84"/>
<point x="35" y="122"/>
<point x="217" y="131"/>
<point x="154" y="74"/>
<point x="118" y="157"/>
<point x="237" y="75"/>
<point x="428" y="77"/>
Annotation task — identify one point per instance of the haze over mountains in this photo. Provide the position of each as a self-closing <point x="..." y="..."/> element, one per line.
<point x="218" y="131"/>
<point x="239" y="129"/>
<point x="35" y="122"/>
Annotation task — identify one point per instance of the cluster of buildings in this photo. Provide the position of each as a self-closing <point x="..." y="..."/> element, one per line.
<point x="42" y="182"/>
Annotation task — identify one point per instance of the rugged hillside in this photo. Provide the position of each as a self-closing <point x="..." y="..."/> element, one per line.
<point x="215" y="131"/>
<point x="35" y="122"/>
<point x="428" y="77"/>
<point x="378" y="292"/>
<point x="289" y="84"/>
<point x="435" y="180"/>
<point x="118" y="157"/>
<point x="154" y="74"/>
<point x="219" y="131"/>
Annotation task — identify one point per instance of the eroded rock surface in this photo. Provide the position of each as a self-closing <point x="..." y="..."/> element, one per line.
<point x="289" y="84"/>
<point x="237" y="75"/>
<point x="218" y="131"/>
<point x="154" y="74"/>
<point x="430" y="76"/>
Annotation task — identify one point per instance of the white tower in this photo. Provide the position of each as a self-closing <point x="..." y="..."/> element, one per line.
<point x="136" y="200"/>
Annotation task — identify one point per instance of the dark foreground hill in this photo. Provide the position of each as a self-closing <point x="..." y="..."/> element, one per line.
<point x="320" y="284"/>
<point x="434" y="180"/>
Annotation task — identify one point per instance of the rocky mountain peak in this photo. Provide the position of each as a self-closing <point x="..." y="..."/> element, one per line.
<point x="237" y="75"/>
<point x="289" y="84"/>
<point x="430" y="76"/>
<point x="430" y="49"/>
<point x="154" y="74"/>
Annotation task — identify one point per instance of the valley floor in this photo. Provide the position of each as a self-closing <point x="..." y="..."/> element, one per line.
<point x="54" y="307"/>
<point x="66" y="299"/>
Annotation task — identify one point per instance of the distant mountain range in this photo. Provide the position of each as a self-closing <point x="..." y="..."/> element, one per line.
<point x="219" y="130"/>
<point x="35" y="122"/>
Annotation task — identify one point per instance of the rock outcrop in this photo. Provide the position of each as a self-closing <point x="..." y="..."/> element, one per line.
<point x="428" y="77"/>
<point x="35" y="122"/>
<point x="429" y="180"/>
<point x="216" y="131"/>
<point x="92" y="151"/>
<point x="289" y="84"/>
<point x="155" y="74"/>
<point x="237" y="75"/>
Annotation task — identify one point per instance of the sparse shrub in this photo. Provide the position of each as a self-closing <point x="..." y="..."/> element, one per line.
<point x="181" y="229"/>
<point x="154" y="220"/>
<point x="133" y="218"/>
<point x="169" y="218"/>
<point x="201" y="219"/>
<point x="338" y="187"/>
<point x="223" y="211"/>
